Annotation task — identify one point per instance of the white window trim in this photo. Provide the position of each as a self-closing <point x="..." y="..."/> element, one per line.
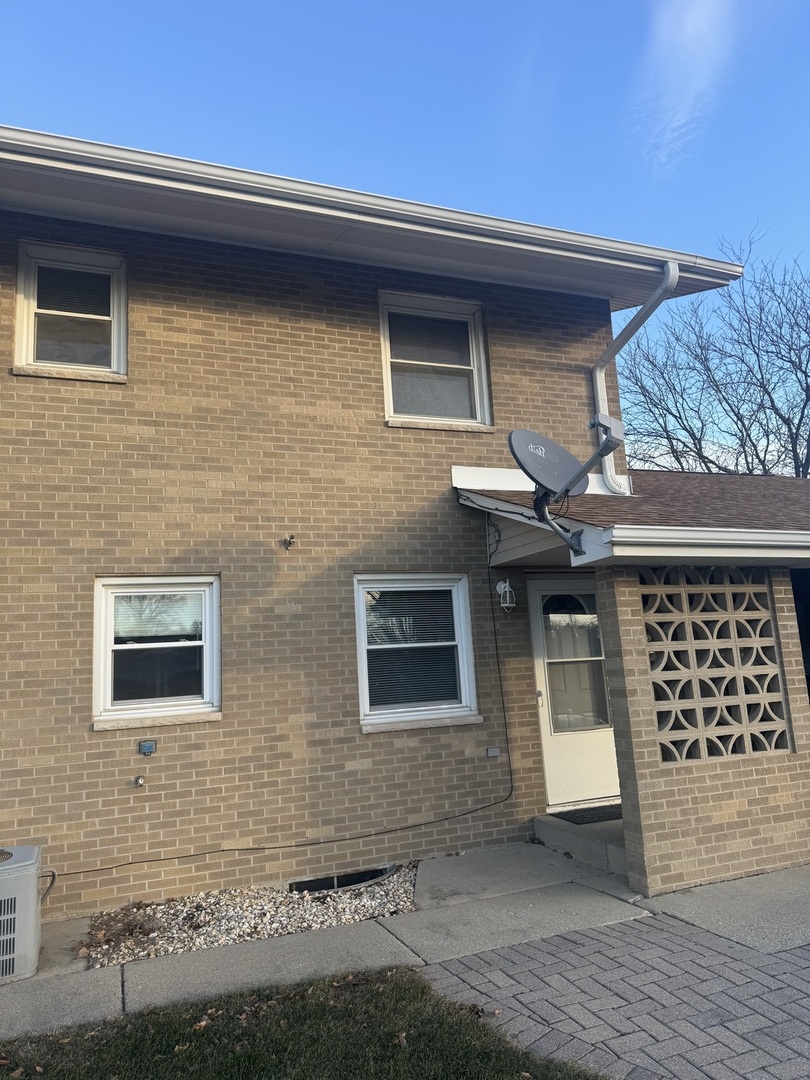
<point x="105" y="714"/>
<point x="31" y="257"/>
<point x="438" y="307"/>
<point x="419" y="716"/>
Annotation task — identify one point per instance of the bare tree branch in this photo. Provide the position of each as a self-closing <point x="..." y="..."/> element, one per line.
<point x="724" y="385"/>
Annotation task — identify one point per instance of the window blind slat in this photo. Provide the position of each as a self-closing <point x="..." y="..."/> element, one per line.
<point x="403" y="616"/>
<point x="420" y="338"/>
<point x="413" y="676"/>
<point x="76" y="291"/>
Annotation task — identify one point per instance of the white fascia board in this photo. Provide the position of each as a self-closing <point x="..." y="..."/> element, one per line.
<point x="484" y="479"/>
<point x="644" y="542"/>
<point x="475" y="478"/>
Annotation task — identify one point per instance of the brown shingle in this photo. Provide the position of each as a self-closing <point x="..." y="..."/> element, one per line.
<point x="693" y="500"/>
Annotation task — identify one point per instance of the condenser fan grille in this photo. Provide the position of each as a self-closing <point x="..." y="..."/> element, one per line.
<point x="5" y="854"/>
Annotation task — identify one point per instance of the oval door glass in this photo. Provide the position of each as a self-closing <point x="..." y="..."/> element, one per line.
<point x="574" y="663"/>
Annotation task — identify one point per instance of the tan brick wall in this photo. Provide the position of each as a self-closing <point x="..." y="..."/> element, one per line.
<point x="254" y="409"/>
<point x="688" y="823"/>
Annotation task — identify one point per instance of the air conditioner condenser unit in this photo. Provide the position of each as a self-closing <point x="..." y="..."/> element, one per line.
<point x="19" y="911"/>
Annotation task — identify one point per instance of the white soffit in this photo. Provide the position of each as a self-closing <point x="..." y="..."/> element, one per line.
<point x="54" y="175"/>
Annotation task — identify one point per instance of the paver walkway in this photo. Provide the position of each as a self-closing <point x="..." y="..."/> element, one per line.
<point x="645" y="999"/>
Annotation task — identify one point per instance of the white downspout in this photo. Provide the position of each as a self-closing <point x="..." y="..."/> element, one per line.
<point x="619" y="485"/>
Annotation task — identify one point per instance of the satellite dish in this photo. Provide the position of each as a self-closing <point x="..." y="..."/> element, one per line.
<point x="547" y="463"/>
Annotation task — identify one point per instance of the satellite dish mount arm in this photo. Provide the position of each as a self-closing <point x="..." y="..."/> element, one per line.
<point x="612" y="432"/>
<point x="572" y="539"/>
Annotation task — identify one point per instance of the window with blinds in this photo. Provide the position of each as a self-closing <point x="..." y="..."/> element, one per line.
<point x="72" y="310"/>
<point x="73" y="319"/>
<point x="434" y="353"/>
<point x="414" y="648"/>
<point x="156" y="646"/>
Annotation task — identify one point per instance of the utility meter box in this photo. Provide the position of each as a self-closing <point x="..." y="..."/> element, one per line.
<point x="19" y="912"/>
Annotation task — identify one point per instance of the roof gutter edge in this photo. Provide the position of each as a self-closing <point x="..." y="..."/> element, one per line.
<point x="63" y="152"/>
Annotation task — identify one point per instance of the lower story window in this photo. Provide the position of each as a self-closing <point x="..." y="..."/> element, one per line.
<point x="414" y="650"/>
<point x="157" y="646"/>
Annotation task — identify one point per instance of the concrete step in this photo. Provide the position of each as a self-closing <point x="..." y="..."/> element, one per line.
<point x="599" y="844"/>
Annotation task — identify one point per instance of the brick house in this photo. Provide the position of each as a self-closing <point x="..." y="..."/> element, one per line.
<point x="258" y="504"/>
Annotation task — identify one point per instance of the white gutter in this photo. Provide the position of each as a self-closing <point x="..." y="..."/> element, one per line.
<point x="648" y="544"/>
<point x="630" y="540"/>
<point x="620" y="485"/>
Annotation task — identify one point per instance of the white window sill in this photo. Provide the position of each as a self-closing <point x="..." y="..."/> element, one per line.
<point x="409" y="723"/>
<point x="56" y="371"/>
<point x="117" y="723"/>
<point x="436" y="423"/>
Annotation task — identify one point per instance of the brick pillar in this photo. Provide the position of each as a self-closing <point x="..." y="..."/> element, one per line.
<point x="628" y="678"/>
<point x="714" y="818"/>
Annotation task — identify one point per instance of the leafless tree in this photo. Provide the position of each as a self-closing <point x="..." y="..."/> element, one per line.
<point x="723" y="385"/>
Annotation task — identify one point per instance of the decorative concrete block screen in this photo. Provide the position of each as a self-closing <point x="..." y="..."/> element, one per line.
<point x="714" y="662"/>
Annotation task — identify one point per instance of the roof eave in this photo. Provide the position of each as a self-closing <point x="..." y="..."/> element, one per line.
<point x="646" y="544"/>
<point x="54" y="175"/>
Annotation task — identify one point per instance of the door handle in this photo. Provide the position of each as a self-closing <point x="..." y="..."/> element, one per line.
<point x="539" y="696"/>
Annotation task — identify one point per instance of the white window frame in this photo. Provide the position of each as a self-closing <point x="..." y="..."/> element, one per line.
<point x="171" y="710"/>
<point x="464" y="712"/>
<point x="33" y="255"/>
<point x="438" y="307"/>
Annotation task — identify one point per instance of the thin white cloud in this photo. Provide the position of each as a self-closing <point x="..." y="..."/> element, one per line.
<point x="687" y="56"/>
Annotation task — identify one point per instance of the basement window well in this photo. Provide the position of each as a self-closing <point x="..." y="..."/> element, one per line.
<point x="349" y="880"/>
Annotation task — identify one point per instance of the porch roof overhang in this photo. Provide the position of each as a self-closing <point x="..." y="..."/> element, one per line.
<point x="93" y="182"/>
<point x="675" y="518"/>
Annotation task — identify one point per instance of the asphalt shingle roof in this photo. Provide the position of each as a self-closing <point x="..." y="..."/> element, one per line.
<point x="693" y="500"/>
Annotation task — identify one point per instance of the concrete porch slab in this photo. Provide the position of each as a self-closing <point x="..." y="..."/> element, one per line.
<point x="494" y="871"/>
<point x="464" y="928"/>
<point x="599" y="844"/>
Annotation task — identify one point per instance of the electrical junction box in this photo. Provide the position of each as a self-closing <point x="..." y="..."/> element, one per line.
<point x="19" y="912"/>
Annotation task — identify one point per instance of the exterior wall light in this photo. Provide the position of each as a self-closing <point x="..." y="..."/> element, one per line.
<point x="507" y="595"/>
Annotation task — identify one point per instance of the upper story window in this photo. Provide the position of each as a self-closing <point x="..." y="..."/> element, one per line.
<point x="71" y="312"/>
<point x="435" y="359"/>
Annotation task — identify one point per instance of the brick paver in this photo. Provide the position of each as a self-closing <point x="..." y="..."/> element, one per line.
<point x="646" y="999"/>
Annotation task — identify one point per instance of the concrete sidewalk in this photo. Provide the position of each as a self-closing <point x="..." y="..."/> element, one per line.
<point x="711" y="982"/>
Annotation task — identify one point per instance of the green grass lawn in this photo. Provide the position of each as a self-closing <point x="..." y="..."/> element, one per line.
<point x="381" y="1026"/>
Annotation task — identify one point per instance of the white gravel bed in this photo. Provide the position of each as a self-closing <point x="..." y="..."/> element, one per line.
<point x="209" y="919"/>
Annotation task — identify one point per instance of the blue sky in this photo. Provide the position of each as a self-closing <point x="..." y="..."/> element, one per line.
<point x="668" y="122"/>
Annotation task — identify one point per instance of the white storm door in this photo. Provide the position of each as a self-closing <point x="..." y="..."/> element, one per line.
<point x="579" y="754"/>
